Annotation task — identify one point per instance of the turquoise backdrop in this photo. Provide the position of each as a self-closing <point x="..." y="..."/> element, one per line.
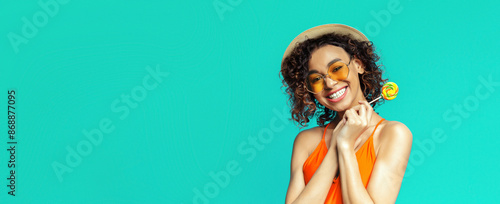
<point x="180" y="101"/>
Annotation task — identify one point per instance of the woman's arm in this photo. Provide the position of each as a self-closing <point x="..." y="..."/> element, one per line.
<point x="317" y="188"/>
<point x="389" y="169"/>
<point x="387" y="175"/>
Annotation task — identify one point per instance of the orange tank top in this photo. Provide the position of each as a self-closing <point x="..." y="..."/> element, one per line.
<point x="366" y="159"/>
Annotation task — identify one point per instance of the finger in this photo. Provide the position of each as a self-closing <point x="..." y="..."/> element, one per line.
<point x="366" y="104"/>
<point x="356" y="108"/>
<point x="362" y="111"/>
<point x="343" y="120"/>
<point x="369" y="110"/>
<point x="340" y="124"/>
<point x="351" y="115"/>
<point x="362" y="116"/>
<point x="347" y="114"/>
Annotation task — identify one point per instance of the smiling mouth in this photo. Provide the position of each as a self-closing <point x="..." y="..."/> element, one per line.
<point x="337" y="94"/>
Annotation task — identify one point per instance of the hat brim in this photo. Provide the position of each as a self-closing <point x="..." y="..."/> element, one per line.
<point x="321" y="30"/>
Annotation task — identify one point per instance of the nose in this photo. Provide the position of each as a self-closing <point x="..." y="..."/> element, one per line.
<point x="330" y="83"/>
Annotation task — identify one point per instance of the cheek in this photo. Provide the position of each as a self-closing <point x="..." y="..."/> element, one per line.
<point x="317" y="98"/>
<point x="354" y="79"/>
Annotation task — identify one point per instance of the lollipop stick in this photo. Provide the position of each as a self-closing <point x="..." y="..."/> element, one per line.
<point x="375" y="100"/>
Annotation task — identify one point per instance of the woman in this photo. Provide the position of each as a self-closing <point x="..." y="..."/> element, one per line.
<point x="358" y="157"/>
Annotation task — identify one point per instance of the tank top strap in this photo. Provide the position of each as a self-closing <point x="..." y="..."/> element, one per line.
<point x="324" y="132"/>
<point x="376" y="126"/>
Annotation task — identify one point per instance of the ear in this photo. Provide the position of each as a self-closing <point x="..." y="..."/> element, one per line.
<point x="359" y="66"/>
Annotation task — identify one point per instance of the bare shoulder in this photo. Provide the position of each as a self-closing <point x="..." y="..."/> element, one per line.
<point x="395" y="132"/>
<point x="308" y="139"/>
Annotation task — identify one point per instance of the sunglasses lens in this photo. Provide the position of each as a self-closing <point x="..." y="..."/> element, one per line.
<point x="338" y="71"/>
<point x="315" y="82"/>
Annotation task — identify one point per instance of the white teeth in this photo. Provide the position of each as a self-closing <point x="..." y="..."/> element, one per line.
<point x="337" y="94"/>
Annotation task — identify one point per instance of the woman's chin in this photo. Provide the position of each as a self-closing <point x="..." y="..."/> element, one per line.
<point x="339" y="106"/>
<point x="342" y="105"/>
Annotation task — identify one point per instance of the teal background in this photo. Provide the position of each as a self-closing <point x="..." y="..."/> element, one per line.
<point x="223" y="90"/>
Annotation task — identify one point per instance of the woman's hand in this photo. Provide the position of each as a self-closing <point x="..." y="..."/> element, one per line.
<point x="357" y="120"/>
<point x="335" y="133"/>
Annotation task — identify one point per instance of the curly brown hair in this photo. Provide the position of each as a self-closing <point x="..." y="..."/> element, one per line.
<point x="295" y="67"/>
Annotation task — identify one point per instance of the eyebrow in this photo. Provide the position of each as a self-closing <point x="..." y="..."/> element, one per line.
<point x="331" y="62"/>
<point x="327" y="66"/>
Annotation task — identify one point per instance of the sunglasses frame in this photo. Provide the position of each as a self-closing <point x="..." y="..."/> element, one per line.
<point x="328" y="75"/>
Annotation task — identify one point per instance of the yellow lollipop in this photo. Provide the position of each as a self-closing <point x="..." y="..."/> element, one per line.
<point x="389" y="91"/>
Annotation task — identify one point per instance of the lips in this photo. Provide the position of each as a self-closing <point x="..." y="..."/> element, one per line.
<point x="340" y="97"/>
<point x="335" y="91"/>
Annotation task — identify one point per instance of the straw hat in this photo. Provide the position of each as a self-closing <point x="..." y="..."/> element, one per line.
<point x="324" y="29"/>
